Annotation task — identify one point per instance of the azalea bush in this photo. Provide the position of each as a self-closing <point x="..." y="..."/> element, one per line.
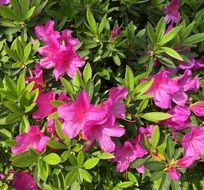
<point x="101" y="95"/>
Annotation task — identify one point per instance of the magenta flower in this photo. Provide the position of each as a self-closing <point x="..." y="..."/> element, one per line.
<point x="172" y="12"/>
<point x="187" y="82"/>
<point x="67" y="61"/>
<point x="68" y="39"/>
<point x="125" y="155"/>
<point x="51" y="50"/>
<point x="45" y="107"/>
<point x="162" y="89"/>
<point x="185" y="162"/>
<point x="44" y="32"/>
<point x="173" y="173"/>
<point x="179" y="119"/>
<point x="4" y="2"/>
<point x="193" y="143"/>
<point x="198" y="108"/>
<point x="113" y="105"/>
<point x="130" y="151"/>
<point x="37" y="77"/>
<point x="115" y="32"/>
<point x="102" y="133"/>
<point x="23" y="181"/>
<point x="192" y="64"/>
<point x="79" y="113"/>
<point x="60" y="52"/>
<point x="33" y="139"/>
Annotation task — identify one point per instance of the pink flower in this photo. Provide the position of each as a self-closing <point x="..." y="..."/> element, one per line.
<point x="179" y="119"/>
<point x="172" y="12"/>
<point x="141" y="169"/>
<point x="51" y="126"/>
<point x="68" y="39"/>
<point x="192" y="64"/>
<point x="79" y="113"/>
<point x="185" y="162"/>
<point x="113" y="105"/>
<point x="60" y="52"/>
<point x="115" y="32"/>
<point x="37" y="77"/>
<point x="162" y="89"/>
<point x="67" y="61"/>
<point x="4" y="2"/>
<point x="45" y="107"/>
<point x="102" y="132"/>
<point x="193" y="143"/>
<point x="198" y="108"/>
<point x="50" y="51"/>
<point x="33" y="139"/>
<point x="187" y="83"/>
<point x="44" y="32"/>
<point x="173" y="173"/>
<point x="127" y="154"/>
<point x="23" y="181"/>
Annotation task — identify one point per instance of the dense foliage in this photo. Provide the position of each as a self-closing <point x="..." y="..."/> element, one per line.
<point x="101" y="94"/>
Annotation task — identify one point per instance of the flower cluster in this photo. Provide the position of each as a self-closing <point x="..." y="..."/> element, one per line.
<point x="59" y="51"/>
<point x="67" y="123"/>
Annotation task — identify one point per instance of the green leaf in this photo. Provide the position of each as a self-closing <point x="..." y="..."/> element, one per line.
<point x="156" y="175"/>
<point x="91" y="21"/>
<point x="56" y="145"/>
<point x="160" y="29"/>
<point x="102" y="24"/>
<point x="116" y="59"/>
<point x="8" y="13"/>
<point x="167" y="62"/>
<point x="87" y="72"/>
<point x="10" y="119"/>
<point x="43" y="169"/>
<point x="143" y="87"/>
<point x="16" y="7"/>
<point x="11" y="85"/>
<point x="24" y="7"/>
<point x="129" y="78"/>
<point x="155" y="165"/>
<point x="156" y="116"/>
<point x="30" y="13"/>
<point x="24" y="160"/>
<point x="85" y="175"/>
<point x="171" y="52"/>
<point x="57" y="103"/>
<point x="132" y="177"/>
<point x="20" y="84"/>
<point x="106" y="155"/>
<point x="91" y="163"/>
<point x="165" y="183"/>
<point x="68" y="87"/>
<point x="194" y="39"/>
<point x="71" y="177"/>
<point x="27" y="51"/>
<point x="170" y="35"/>
<point x="150" y="33"/>
<point x="170" y="148"/>
<point x="125" y="184"/>
<point x="90" y="88"/>
<point x="80" y="158"/>
<point x="155" y="137"/>
<point x="12" y="106"/>
<point x="52" y="159"/>
<point x="143" y="105"/>
<point x="175" y="185"/>
<point x="139" y="162"/>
